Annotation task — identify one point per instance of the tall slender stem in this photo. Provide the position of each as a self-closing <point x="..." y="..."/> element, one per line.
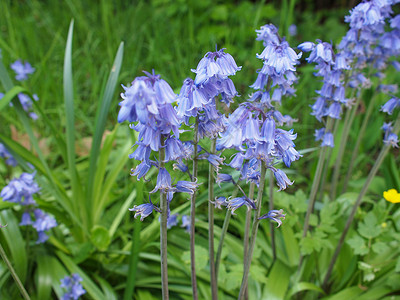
<point x="211" y="181"/>
<point x="343" y="142"/>
<point x="163" y="229"/>
<point x="246" y="232"/>
<point x="315" y="184"/>
<point x="314" y="188"/>
<point x="14" y="274"/>
<point x="360" y="136"/>
<point x="371" y="175"/>
<point x="271" y="225"/>
<point x="254" y="231"/>
<point x="193" y="212"/>
<point x="224" y="230"/>
<point x="325" y="172"/>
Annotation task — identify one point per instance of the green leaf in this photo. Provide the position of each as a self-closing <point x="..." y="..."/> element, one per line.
<point x="397" y="268"/>
<point x="358" y="245"/>
<point x="380" y="247"/>
<point x="278" y="281"/>
<point x="13" y="92"/>
<point x="349" y="293"/>
<point x="101" y="119"/>
<point x="14" y="242"/>
<point x="369" y="228"/>
<point x="303" y="286"/>
<point x="201" y="257"/>
<point x="234" y="277"/>
<point x="68" y="85"/>
<point x="100" y="238"/>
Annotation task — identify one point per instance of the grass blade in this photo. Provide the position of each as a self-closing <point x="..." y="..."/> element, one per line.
<point x="101" y="119"/>
<point x="70" y="126"/>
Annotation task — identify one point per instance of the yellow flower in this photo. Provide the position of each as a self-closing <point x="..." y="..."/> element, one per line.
<point x="392" y="196"/>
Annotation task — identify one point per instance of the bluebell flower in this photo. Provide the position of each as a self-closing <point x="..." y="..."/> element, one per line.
<point x="292" y="30"/>
<point x="73" y="287"/>
<point x="10" y="160"/>
<point x="43" y="222"/>
<point x="141" y="169"/>
<point x="390" y="105"/>
<point x="173" y="149"/>
<point x="26" y="219"/>
<point x="392" y="139"/>
<point x="186" y="186"/>
<point x="215" y="64"/>
<point x="223" y="178"/>
<point x="20" y="190"/>
<point x="327" y="140"/>
<point x="280" y="57"/>
<point x="172" y="220"/>
<point x="268" y="34"/>
<point x="186" y="222"/>
<point x="235" y="203"/>
<point x="163" y="182"/>
<point x="274" y="215"/>
<point x="22" y="69"/>
<point x="142" y="210"/>
<point x="282" y="179"/>
<point x="219" y="202"/>
<point x="180" y="166"/>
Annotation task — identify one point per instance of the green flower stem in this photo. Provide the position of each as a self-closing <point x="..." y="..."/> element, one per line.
<point x="222" y="237"/>
<point x="314" y="189"/>
<point x="271" y="225"/>
<point x="163" y="230"/>
<point x="371" y="175"/>
<point x="211" y="181"/>
<point x="193" y="212"/>
<point x="134" y="256"/>
<point x="14" y="274"/>
<point x="348" y="121"/>
<point x="315" y="183"/>
<point x="360" y="137"/>
<point x="247" y="231"/>
<point x="326" y="165"/>
<point x="254" y="231"/>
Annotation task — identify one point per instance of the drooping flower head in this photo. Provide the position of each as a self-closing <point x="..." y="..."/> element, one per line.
<point x="274" y="215"/>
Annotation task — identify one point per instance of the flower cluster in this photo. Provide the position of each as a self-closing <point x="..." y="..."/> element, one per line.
<point x="22" y="71"/>
<point x="198" y="97"/>
<point x="277" y="76"/>
<point x="20" y="191"/>
<point x="331" y="96"/>
<point x="72" y="285"/>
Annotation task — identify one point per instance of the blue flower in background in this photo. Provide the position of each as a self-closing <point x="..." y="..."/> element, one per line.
<point x="186" y="222"/>
<point x="274" y="215"/>
<point x="43" y="222"/>
<point x="22" y="69"/>
<point x="72" y="285"/>
<point x="20" y="190"/>
<point x="10" y="160"/>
